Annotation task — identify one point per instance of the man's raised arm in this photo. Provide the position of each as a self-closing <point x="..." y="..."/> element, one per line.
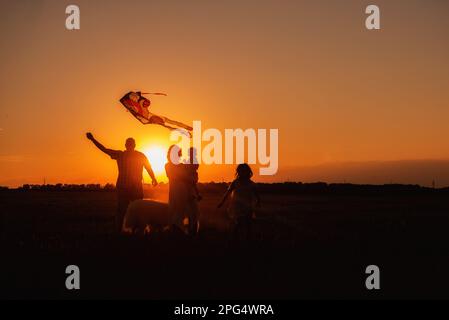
<point x="99" y="145"/>
<point x="150" y="171"/>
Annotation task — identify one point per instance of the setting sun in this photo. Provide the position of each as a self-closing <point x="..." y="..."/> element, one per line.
<point x="156" y="156"/>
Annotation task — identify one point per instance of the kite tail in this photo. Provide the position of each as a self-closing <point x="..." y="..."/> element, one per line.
<point x="179" y="124"/>
<point x="187" y="133"/>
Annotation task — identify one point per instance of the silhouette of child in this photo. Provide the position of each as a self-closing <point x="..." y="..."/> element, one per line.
<point x="244" y="196"/>
<point x="194" y="196"/>
<point x="192" y="173"/>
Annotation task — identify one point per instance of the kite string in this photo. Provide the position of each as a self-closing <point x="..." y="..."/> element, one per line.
<point x="155" y="93"/>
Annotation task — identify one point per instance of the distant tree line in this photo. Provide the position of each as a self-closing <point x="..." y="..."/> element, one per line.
<point x="342" y="188"/>
<point x="289" y="188"/>
<point x="292" y="188"/>
<point x="68" y="187"/>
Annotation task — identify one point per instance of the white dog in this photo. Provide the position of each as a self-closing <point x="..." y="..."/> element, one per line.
<point x="144" y="215"/>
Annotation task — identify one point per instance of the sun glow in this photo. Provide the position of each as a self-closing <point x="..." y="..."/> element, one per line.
<point x="157" y="157"/>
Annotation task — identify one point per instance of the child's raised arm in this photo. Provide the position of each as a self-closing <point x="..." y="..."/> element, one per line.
<point x="226" y="195"/>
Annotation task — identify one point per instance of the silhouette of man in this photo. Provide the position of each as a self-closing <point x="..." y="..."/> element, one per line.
<point x="129" y="182"/>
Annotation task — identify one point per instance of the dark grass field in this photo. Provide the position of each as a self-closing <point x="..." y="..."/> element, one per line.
<point x="303" y="246"/>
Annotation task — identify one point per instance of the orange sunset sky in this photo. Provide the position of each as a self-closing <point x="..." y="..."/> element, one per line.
<point x="350" y="104"/>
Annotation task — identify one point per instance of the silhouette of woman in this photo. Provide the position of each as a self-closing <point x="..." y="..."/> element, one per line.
<point x="177" y="189"/>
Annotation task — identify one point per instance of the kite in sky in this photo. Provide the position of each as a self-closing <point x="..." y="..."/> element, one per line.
<point x="138" y="105"/>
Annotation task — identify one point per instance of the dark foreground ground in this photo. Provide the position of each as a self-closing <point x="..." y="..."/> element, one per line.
<point x="304" y="246"/>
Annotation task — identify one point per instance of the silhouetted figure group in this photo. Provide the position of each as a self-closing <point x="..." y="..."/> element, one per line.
<point x="183" y="188"/>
